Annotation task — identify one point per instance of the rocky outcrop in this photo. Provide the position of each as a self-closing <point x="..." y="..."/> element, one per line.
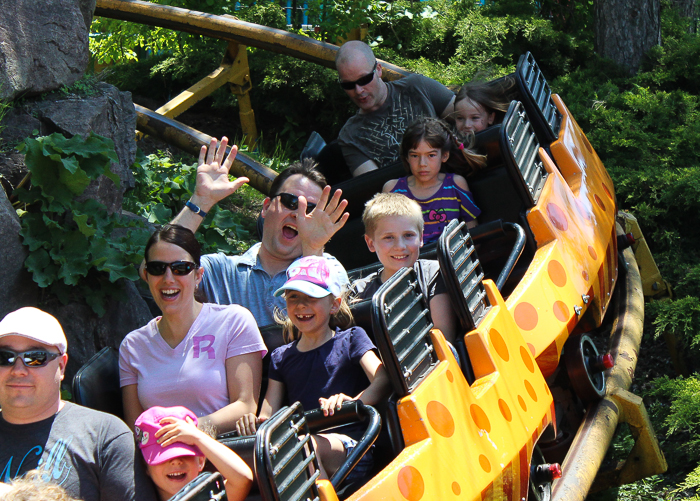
<point x="43" y="44"/>
<point x="17" y="288"/>
<point x="87" y="333"/>
<point x="110" y="113"/>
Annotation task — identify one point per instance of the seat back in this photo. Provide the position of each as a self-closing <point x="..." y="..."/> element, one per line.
<point x="401" y="323"/>
<point x="283" y="453"/>
<point x="537" y="99"/>
<point x="96" y="384"/>
<point x="207" y="486"/>
<point x="463" y="275"/>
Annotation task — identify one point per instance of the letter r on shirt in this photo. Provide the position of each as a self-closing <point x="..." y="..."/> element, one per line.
<point x="198" y="348"/>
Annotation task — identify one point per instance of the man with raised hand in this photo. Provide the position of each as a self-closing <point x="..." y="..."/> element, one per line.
<point x="370" y="139"/>
<point x="299" y="215"/>
<point x="90" y="454"/>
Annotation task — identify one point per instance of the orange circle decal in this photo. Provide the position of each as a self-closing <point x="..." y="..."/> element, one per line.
<point x="522" y="403"/>
<point x="557" y="273"/>
<point x="480" y="418"/>
<point x="561" y="311"/>
<point x="584" y="274"/>
<point x="485" y="463"/>
<point x="450" y="377"/>
<point x="505" y="410"/>
<point x="525" y="316"/>
<point x="499" y="344"/>
<point x="599" y="202"/>
<point x="557" y="217"/>
<point x="440" y="418"/>
<point x="456" y="488"/>
<point x="607" y="191"/>
<point x="526" y="359"/>
<point x="530" y="390"/>
<point x="592" y="252"/>
<point x="411" y="483"/>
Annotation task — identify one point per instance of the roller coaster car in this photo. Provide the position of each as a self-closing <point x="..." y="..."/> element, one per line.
<point x="532" y="287"/>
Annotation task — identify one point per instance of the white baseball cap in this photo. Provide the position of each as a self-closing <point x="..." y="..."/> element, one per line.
<point x="34" y="324"/>
<point x="315" y="276"/>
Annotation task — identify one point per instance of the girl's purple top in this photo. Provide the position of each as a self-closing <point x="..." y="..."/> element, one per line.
<point x="449" y="202"/>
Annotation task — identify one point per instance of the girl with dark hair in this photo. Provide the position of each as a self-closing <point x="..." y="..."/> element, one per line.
<point x="425" y="148"/>
<point x="478" y="105"/>
<point x="203" y="356"/>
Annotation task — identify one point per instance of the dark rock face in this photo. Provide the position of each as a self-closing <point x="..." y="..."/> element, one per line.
<point x="87" y="333"/>
<point x="43" y="44"/>
<point x="17" y="288"/>
<point x="110" y="114"/>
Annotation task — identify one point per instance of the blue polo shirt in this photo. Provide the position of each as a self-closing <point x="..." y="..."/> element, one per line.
<point x="242" y="280"/>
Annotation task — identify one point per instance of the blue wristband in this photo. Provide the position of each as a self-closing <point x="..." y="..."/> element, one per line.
<point x="194" y="208"/>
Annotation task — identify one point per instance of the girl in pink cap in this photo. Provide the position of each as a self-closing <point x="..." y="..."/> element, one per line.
<point x="327" y="362"/>
<point x="175" y="451"/>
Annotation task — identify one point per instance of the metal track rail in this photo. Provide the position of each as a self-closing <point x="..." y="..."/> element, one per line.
<point x="585" y="457"/>
<point x="191" y="140"/>
<point x="231" y="29"/>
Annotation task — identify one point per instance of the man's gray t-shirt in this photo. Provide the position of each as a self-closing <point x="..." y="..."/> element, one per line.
<point x="92" y="455"/>
<point x="377" y="135"/>
<point x="242" y="280"/>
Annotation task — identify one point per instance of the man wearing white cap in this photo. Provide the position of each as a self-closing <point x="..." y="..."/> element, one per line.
<point x="89" y="453"/>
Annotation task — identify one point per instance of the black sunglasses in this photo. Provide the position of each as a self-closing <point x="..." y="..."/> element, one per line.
<point x="157" y="268"/>
<point x="362" y="81"/>
<point x="34" y="358"/>
<point x="291" y="202"/>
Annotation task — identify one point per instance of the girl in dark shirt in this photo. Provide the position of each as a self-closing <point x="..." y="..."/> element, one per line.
<point x="327" y="362"/>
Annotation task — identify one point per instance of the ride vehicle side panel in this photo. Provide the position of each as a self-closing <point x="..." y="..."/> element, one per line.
<point x="584" y="172"/>
<point x="575" y="266"/>
<point x="472" y="442"/>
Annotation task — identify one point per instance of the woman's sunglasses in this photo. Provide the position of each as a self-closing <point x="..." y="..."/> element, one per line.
<point x="291" y="202"/>
<point x="34" y="358"/>
<point x="362" y="81"/>
<point x="157" y="268"/>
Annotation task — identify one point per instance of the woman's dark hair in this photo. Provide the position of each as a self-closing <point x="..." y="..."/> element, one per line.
<point x="437" y="133"/>
<point x="176" y="235"/>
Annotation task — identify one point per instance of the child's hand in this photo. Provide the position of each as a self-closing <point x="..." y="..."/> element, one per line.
<point x="333" y="403"/>
<point x="177" y="430"/>
<point x="247" y="424"/>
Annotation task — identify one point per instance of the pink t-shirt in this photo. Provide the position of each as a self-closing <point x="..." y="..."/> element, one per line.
<point x="193" y="374"/>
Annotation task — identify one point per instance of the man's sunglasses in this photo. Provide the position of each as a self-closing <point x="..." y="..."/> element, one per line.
<point x="34" y="358"/>
<point x="362" y="81"/>
<point x="291" y="202"/>
<point x="157" y="268"/>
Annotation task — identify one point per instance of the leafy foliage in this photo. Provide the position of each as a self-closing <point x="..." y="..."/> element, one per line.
<point x="73" y="247"/>
<point x="163" y="187"/>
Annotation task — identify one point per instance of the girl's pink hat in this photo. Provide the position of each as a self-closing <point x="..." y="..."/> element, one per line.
<point x="148" y="423"/>
<point x="315" y="276"/>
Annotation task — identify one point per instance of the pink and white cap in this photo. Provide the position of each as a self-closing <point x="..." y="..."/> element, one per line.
<point x="315" y="276"/>
<point x="146" y="426"/>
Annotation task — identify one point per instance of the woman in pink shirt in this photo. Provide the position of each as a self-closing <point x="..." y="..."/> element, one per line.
<point x="202" y="356"/>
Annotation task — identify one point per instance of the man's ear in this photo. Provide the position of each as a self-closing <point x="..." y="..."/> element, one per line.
<point x="62" y="361"/>
<point x="370" y="243"/>
<point x="266" y="204"/>
<point x="378" y="71"/>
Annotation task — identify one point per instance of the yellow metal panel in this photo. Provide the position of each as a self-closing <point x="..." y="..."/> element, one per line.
<point x="491" y="427"/>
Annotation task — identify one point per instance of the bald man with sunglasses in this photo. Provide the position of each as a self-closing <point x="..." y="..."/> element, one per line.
<point x="300" y="216"/>
<point x="370" y="139"/>
<point x="90" y="454"/>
